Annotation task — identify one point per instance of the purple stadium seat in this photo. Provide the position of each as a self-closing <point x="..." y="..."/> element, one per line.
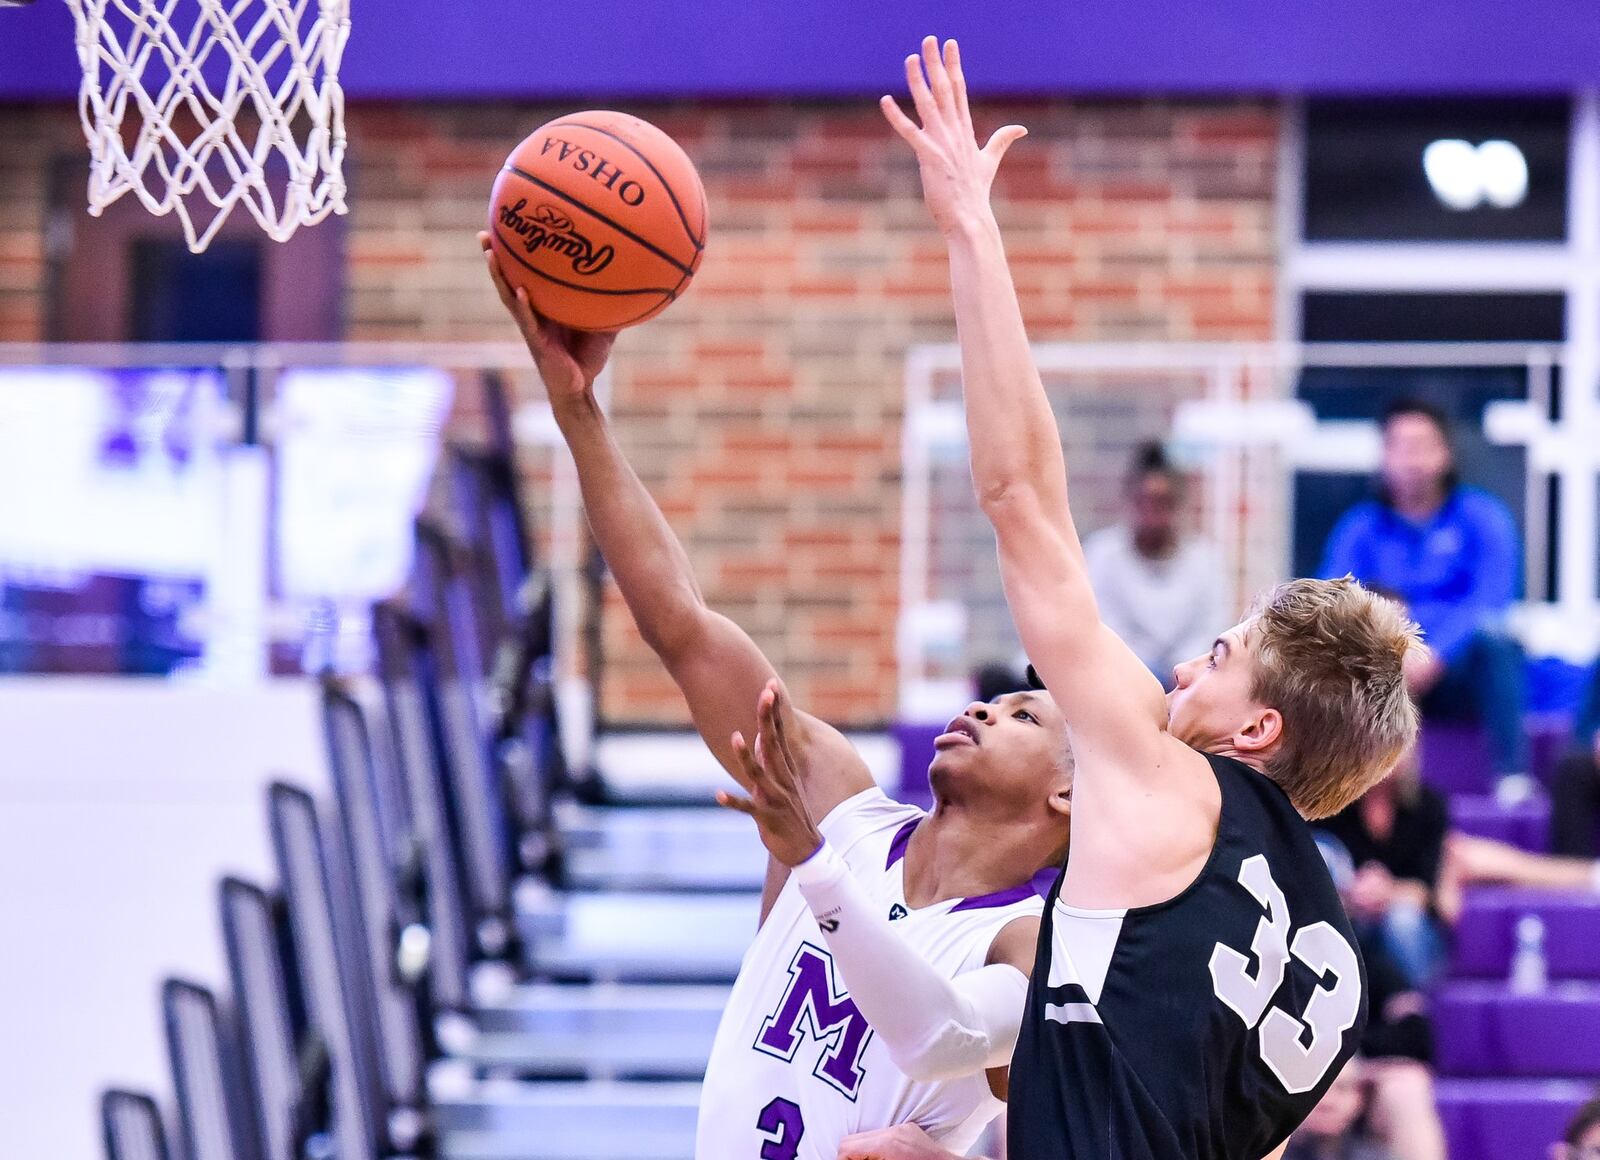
<point x="1526" y="824"/>
<point x="1483" y="1029"/>
<point x="1455" y="758"/>
<point x="1486" y="933"/>
<point x="1486" y="1119"/>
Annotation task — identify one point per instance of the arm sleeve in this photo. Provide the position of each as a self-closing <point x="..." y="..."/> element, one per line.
<point x="1496" y="564"/>
<point x="935" y="1028"/>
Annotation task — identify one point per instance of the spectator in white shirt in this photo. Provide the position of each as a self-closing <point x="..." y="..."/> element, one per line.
<point x="1159" y="589"/>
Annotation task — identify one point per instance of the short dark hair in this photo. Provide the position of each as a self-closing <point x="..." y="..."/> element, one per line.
<point x="1412" y="406"/>
<point x="1586" y="1118"/>
<point x="1150" y="458"/>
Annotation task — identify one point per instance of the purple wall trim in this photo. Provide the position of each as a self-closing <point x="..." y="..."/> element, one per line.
<point x="645" y="49"/>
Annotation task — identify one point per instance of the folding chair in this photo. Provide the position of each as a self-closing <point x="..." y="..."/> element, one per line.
<point x="214" y="1104"/>
<point x="271" y="1023"/>
<point x="330" y="961"/>
<point x="132" y="1127"/>
<point x="370" y="828"/>
<point x="480" y="800"/>
<point x="405" y="670"/>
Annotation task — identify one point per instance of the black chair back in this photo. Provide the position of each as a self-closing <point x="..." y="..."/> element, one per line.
<point x="131" y="1125"/>
<point x="215" y="1104"/>
<point x="477" y="794"/>
<point x="330" y="959"/>
<point x="370" y="837"/>
<point x="406" y="670"/>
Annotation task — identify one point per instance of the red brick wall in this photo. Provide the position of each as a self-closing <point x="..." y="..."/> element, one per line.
<point x="764" y="409"/>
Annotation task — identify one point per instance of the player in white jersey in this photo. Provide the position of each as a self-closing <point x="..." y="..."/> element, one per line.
<point x="794" y="1055"/>
<point x="794" y="1068"/>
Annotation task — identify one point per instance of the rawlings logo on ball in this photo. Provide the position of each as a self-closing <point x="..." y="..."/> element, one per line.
<point x="547" y="228"/>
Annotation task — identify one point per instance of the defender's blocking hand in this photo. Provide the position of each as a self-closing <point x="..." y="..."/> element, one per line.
<point x="956" y="173"/>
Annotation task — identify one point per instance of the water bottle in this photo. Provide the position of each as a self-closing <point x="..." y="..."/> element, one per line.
<point x="1529" y="972"/>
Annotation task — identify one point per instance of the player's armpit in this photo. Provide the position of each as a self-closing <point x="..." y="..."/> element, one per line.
<point x="1016" y="944"/>
<point x="1278" y="1153"/>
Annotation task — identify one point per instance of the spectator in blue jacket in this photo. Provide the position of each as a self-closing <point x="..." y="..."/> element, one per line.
<point x="1451" y="552"/>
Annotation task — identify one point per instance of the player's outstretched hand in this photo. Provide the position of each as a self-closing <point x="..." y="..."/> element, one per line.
<point x="956" y="173"/>
<point x="569" y="360"/>
<point x="773" y="772"/>
<point x="901" y="1142"/>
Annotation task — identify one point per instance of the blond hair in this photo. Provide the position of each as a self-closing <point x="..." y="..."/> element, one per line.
<point x="1329" y="657"/>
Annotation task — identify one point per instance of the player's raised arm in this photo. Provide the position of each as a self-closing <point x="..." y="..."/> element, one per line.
<point x="1017" y="464"/>
<point x="1144" y="802"/>
<point x="720" y="670"/>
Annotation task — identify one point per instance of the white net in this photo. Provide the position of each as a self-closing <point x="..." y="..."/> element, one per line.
<point x="199" y="106"/>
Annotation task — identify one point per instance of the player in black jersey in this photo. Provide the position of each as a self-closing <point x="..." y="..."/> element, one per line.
<point x="1197" y="986"/>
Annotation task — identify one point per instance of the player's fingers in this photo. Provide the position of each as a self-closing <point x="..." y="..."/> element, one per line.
<point x="1003" y="139"/>
<point x="921" y="97"/>
<point x="501" y="287"/>
<point x="938" y="78"/>
<point x="898" y="121"/>
<point x="739" y="805"/>
<point x="958" y="82"/>
<point x="747" y="761"/>
<point x="785" y="724"/>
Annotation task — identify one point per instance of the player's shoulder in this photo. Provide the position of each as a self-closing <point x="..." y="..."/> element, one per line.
<point x="865" y="815"/>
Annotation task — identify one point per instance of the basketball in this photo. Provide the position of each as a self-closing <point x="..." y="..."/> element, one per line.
<point x="601" y="217"/>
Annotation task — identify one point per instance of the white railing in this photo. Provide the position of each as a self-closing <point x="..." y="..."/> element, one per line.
<point x="1229" y="412"/>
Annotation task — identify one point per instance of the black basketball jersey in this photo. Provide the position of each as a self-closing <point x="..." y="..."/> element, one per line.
<point x="1205" y="1027"/>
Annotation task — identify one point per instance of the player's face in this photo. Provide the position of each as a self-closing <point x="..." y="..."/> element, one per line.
<point x="1211" y="700"/>
<point x="1017" y="742"/>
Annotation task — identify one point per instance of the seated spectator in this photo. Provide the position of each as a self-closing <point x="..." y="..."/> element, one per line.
<point x="1397" y="1046"/>
<point x="1335" y="1129"/>
<point x="1159" y="589"/>
<point x="1450" y="552"/>
<point x="1582" y="1139"/>
<point x="1395" y="837"/>
<point x="1473" y="861"/>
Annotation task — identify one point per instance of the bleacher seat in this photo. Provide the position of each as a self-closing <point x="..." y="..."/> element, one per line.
<point x="1484" y="1029"/>
<point x="1512" y="1119"/>
<point x="1485" y="934"/>
<point x="1524" y="824"/>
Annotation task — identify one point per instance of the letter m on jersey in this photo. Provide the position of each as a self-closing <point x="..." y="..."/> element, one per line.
<point x="813" y="1007"/>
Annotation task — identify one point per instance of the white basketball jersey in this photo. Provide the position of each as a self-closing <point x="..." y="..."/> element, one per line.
<point x="795" y="1068"/>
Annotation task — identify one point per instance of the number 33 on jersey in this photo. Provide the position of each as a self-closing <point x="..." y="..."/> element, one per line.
<point x="1333" y="1009"/>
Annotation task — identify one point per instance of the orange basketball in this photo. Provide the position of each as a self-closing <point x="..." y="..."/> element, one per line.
<point x="601" y="217"/>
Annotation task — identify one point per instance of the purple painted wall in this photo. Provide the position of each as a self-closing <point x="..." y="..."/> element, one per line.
<point x="820" y="48"/>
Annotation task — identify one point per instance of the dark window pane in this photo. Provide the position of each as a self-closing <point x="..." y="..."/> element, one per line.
<point x="1364" y="178"/>
<point x="184" y="297"/>
<point x="1347" y="317"/>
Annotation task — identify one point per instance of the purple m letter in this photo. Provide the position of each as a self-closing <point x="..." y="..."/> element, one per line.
<point x="812" y="1005"/>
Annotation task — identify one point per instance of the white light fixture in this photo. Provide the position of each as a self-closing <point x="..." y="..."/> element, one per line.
<point x="1464" y="176"/>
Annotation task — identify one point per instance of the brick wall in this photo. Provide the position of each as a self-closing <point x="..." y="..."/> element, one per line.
<point x="31" y="139"/>
<point x="764" y="409"/>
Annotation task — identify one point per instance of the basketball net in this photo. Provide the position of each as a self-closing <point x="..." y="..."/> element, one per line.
<point x="190" y="103"/>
